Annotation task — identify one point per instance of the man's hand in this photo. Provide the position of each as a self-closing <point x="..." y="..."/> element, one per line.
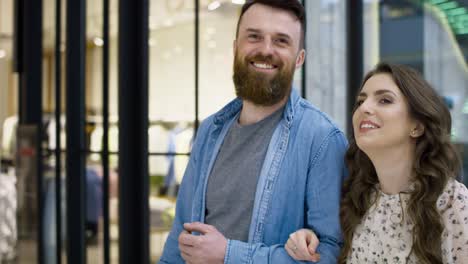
<point x="207" y="248"/>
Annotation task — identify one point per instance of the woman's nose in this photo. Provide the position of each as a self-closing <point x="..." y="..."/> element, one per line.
<point x="366" y="107"/>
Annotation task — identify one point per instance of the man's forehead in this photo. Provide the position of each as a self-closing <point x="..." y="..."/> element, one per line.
<point x="262" y="17"/>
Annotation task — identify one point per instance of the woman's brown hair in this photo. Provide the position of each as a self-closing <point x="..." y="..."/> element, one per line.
<point x="436" y="161"/>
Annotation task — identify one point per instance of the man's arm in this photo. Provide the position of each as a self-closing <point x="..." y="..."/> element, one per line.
<point x="325" y="178"/>
<point x="211" y="247"/>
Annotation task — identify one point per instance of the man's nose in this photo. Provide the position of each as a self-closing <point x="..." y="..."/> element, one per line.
<point x="267" y="47"/>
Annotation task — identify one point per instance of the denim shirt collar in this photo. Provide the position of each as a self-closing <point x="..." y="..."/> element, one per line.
<point x="234" y="107"/>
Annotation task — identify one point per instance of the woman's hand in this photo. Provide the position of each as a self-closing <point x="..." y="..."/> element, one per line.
<point x="302" y="245"/>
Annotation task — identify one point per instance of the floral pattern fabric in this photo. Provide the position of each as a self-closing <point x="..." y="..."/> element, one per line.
<point x="385" y="233"/>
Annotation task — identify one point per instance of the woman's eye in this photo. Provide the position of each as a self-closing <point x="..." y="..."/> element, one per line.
<point x="385" y="101"/>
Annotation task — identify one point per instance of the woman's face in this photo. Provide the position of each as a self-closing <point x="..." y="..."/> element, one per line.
<point x="382" y="120"/>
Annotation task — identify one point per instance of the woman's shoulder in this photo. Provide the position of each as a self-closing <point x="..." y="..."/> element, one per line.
<point x="454" y="197"/>
<point x="453" y="206"/>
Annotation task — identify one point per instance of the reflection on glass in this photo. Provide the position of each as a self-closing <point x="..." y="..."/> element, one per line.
<point x="163" y="190"/>
<point x="326" y="58"/>
<point x="171" y="110"/>
<point x="169" y="144"/>
<point x="94" y="214"/>
<point x="217" y="34"/>
<point x="171" y="62"/>
<point x="10" y="204"/>
<point x="50" y="208"/>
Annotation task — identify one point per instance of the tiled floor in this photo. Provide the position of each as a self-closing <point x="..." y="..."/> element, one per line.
<point x="27" y="250"/>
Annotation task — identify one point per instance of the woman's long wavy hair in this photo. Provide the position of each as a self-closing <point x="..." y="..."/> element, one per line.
<point x="436" y="161"/>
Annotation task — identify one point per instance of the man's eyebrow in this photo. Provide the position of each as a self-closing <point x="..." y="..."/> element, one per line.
<point x="284" y="35"/>
<point x="253" y="30"/>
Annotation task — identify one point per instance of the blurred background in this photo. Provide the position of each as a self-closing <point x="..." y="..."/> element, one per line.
<point x="151" y="71"/>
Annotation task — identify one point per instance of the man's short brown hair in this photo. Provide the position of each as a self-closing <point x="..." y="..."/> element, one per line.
<point x="293" y="6"/>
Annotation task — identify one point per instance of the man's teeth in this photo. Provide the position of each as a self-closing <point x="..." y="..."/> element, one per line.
<point x="368" y="126"/>
<point x="263" y="66"/>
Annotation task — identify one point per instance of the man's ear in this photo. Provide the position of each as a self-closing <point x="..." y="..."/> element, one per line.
<point x="300" y="58"/>
<point x="234" y="46"/>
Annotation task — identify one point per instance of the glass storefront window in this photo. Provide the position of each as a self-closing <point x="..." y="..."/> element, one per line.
<point x="171" y="110"/>
<point x="326" y="58"/>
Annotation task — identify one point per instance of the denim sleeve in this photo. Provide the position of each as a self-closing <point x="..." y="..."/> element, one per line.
<point x="239" y="252"/>
<point x="325" y="177"/>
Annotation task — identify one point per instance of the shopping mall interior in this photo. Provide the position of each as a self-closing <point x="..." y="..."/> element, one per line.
<point x="134" y="79"/>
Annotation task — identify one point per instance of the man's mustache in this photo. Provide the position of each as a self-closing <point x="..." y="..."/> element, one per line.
<point x="266" y="59"/>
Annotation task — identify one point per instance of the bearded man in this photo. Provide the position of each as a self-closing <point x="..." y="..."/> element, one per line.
<point x="267" y="164"/>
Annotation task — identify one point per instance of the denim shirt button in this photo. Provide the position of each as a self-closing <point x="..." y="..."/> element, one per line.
<point x="269" y="184"/>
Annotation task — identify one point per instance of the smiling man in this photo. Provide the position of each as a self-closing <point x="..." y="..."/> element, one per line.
<point x="267" y="164"/>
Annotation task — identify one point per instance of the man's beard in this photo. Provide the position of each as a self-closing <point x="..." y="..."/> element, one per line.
<point x="260" y="88"/>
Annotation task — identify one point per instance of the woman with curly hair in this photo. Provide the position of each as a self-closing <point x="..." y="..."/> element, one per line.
<point x="401" y="202"/>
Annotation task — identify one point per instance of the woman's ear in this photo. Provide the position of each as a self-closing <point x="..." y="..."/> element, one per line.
<point x="417" y="131"/>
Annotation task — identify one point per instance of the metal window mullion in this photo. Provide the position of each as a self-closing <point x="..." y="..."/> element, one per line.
<point x="197" y="62"/>
<point x="30" y="101"/>
<point x="58" y="147"/>
<point x="75" y="131"/>
<point x="105" y="137"/>
<point x="355" y="55"/>
<point x="133" y="132"/>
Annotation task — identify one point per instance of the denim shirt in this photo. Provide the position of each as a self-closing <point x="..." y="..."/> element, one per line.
<point x="299" y="185"/>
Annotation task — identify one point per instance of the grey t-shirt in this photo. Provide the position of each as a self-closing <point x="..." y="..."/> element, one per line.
<point x="233" y="180"/>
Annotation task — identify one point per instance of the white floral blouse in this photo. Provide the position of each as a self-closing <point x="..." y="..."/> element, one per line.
<point x="385" y="235"/>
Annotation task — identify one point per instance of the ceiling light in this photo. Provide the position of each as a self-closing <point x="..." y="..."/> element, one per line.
<point x="2" y="54"/>
<point x="98" y="41"/>
<point x="238" y="2"/>
<point x="214" y="5"/>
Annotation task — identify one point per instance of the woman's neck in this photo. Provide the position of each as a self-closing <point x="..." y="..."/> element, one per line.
<point x="394" y="168"/>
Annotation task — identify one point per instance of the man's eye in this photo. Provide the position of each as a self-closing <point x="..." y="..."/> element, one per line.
<point x="282" y="41"/>
<point x="253" y="36"/>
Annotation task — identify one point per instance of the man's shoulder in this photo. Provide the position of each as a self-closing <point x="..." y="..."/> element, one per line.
<point x="205" y="126"/>
<point x="315" y="119"/>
